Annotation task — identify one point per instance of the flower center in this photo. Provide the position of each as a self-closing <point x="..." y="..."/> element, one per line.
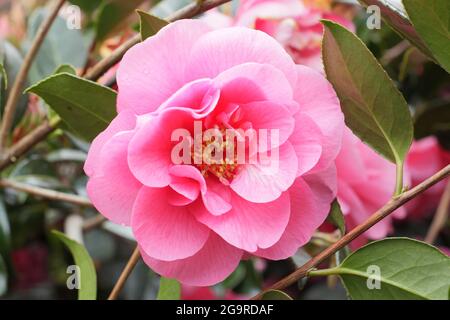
<point x="218" y="154"/>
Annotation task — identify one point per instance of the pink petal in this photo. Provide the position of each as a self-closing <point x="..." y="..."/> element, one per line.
<point x="307" y="142"/>
<point x="223" y="49"/>
<point x="114" y="190"/>
<point x="306" y="217"/>
<point x="150" y="151"/>
<point x="268" y="116"/>
<point x="248" y="225"/>
<point x="249" y="82"/>
<point x="318" y="99"/>
<point x="216" y="197"/>
<point x="200" y="97"/>
<point x="262" y="183"/>
<point x="212" y="264"/>
<point x="124" y="121"/>
<point x="163" y="231"/>
<point x="153" y="70"/>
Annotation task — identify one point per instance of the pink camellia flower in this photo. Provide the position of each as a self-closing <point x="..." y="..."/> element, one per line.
<point x="194" y="222"/>
<point x="366" y="181"/>
<point x="425" y="158"/>
<point x="294" y="23"/>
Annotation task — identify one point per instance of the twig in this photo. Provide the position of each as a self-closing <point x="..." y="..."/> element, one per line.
<point x="440" y="216"/>
<point x="395" y="52"/>
<point x="94" y="74"/>
<point x="93" y="222"/>
<point x="26" y="143"/>
<point x="45" y="193"/>
<point x="387" y="209"/>
<point x="16" y="89"/>
<point x="125" y="274"/>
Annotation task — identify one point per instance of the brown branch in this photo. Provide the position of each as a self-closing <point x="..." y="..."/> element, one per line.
<point x="45" y="193"/>
<point x="93" y="222"/>
<point x="94" y="74"/>
<point x="440" y="217"/>
<point x="387" y="209"/>
<point x="125" y="274"/>
<point x="25" y="144"/>
<point x="189" y="11"/>
<point x="16" y="89"/>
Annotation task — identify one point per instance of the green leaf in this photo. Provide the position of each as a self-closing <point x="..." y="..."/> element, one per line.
<point x="3" y="277"/>
<point x="65" y="68"/>
<point x="86" y="107"/>
<point x="113" y="15"/>
<point x="275" y="295"/>
<point x="61" y="46"/>
<point x="87" y="276"/>
<point x="374" y="109"/>
<point x="397" y="19"/>
<point x="149" y="24"/>
<point x="336" y="217"/>
<point x="431" y="19"/>
<point x="431" y="121"/>
<point x="169" y="289"/>
<point x="408" y="269"/>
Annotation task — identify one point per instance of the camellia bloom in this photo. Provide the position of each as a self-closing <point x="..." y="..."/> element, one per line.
<point x="366" y="181"/>
<point x="195" y="222"/>
<point x="294" y="23"/>
<point x="425" y="158"/>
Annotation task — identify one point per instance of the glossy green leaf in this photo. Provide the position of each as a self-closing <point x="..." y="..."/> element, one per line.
<point x="275" y="295"/>
<point x="169" y="289"/>
<point x="395" y="16"/>
<point x="374" y="109"/>
<point x="87" y="277"/>
<point x="149" y="24"/>
<point x="431" y="18"/>
<point x="86" y="107"/>
<point x="62" y="45"/>
<point x="113" y="15"/>
<point x="3" y="277"/>
<point x="404" y="269"/>
<point x="336" y="217"/>
<point x="65" y="68"/>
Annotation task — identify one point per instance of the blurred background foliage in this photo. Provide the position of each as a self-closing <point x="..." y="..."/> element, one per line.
<point x="33" y="264"/>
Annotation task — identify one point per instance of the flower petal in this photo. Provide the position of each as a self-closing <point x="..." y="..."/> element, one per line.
<point x="223" y="49"/>
<point x="249" y="225"/>
<point x="323" y="108"/>
<point x="264" y="182"/>
<point x="210" y="265"/>
<point x="113" y="190"/>
<point x="151" y="71"/>
<point x="163" y="231"/>
<point x="124" y="121"/>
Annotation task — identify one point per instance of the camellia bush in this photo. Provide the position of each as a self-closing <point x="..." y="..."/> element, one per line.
<point x="217" y="149"/>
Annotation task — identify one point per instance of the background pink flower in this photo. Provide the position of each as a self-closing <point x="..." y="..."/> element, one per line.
<point x="366" y="181"/>
<point x="293" y="23"/>
<point x="425" y="158"/>
<point x="195" y="225"/>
